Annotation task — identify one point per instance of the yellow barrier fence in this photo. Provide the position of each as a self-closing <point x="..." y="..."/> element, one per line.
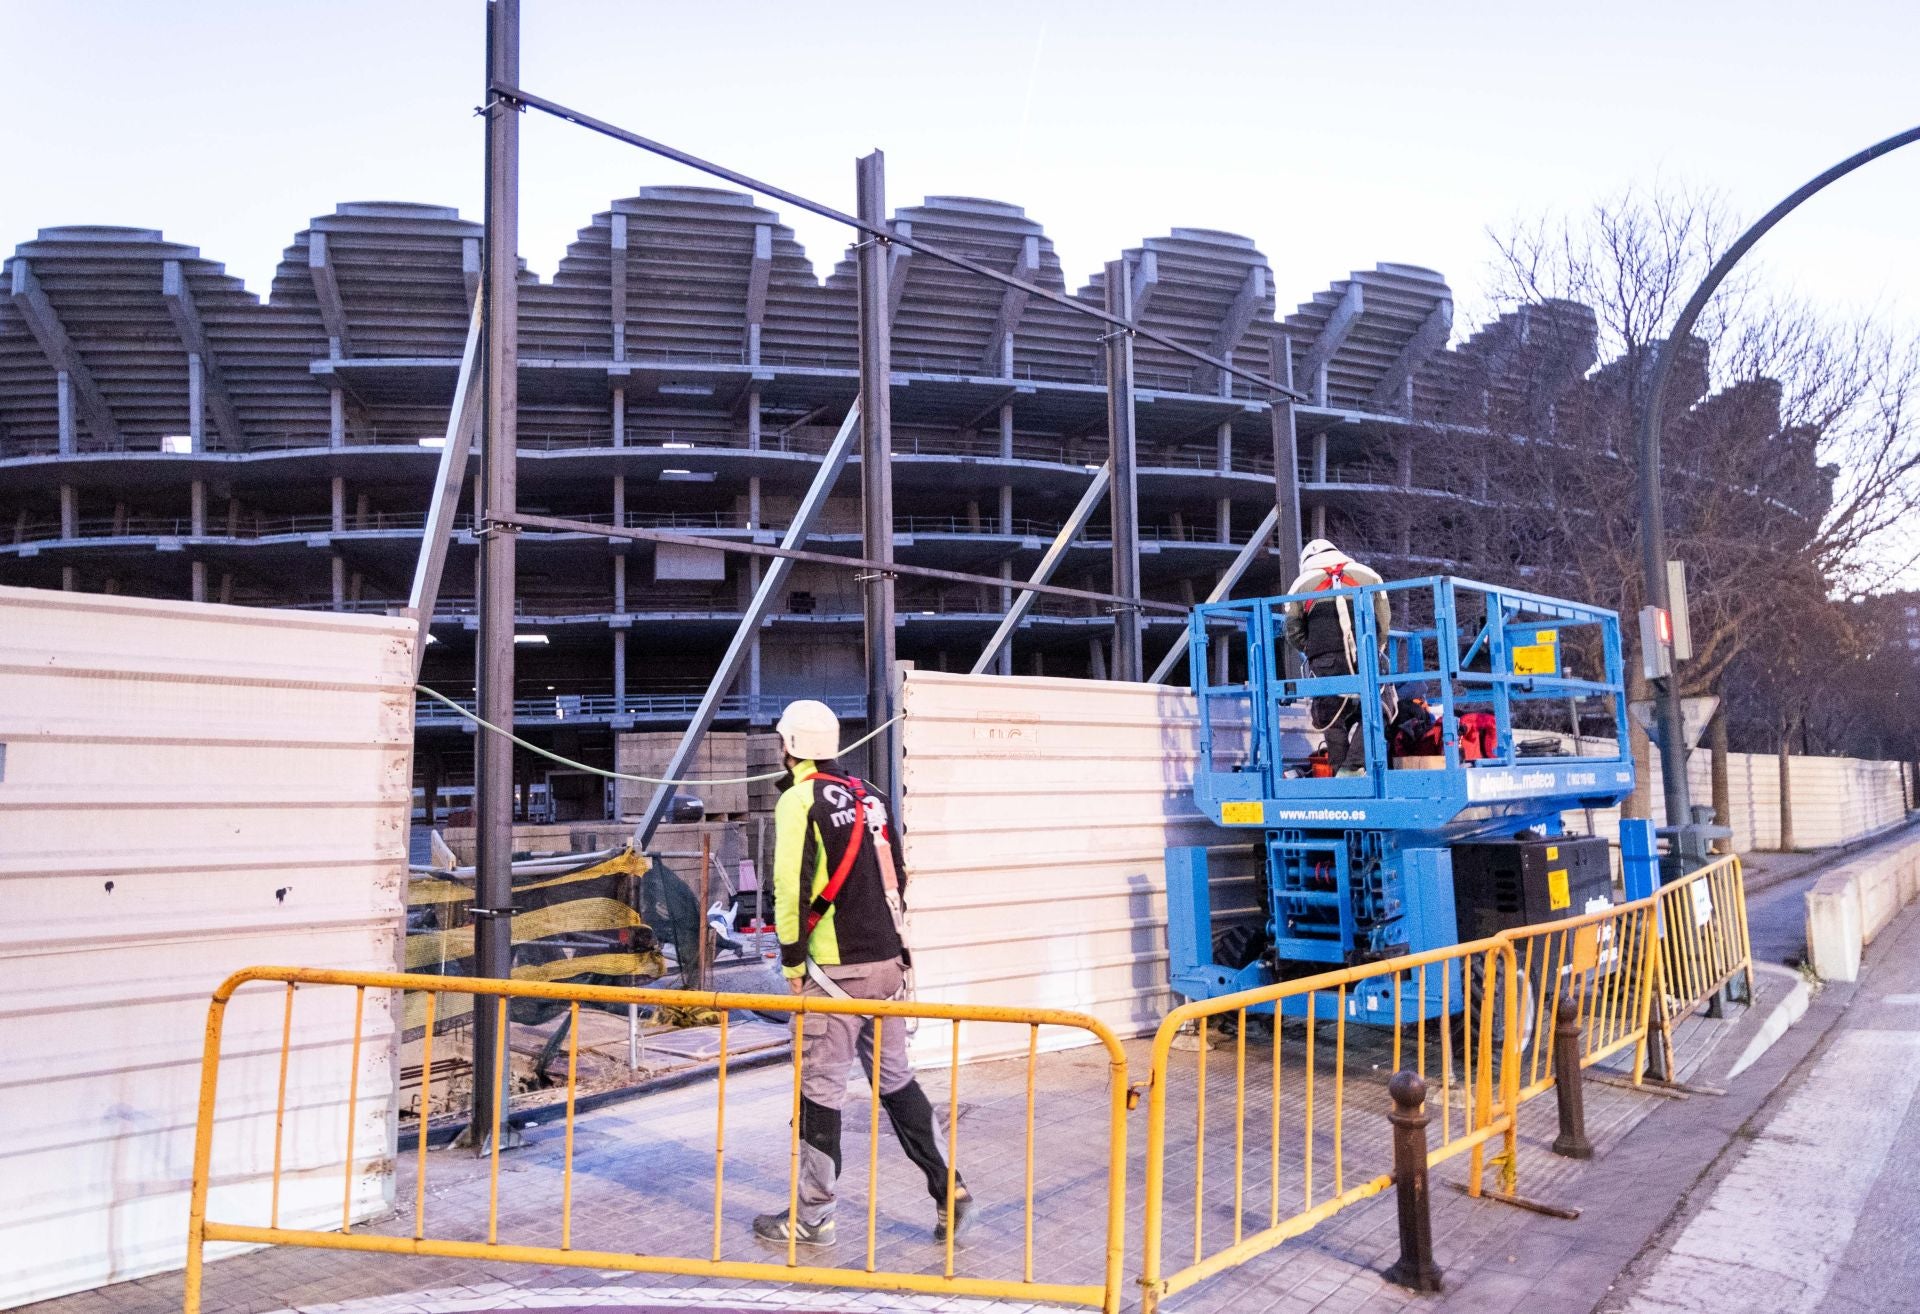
<point x="1631" y="970"/>
<point x="1103" y="1293"/>
<point x="1452" y="1012"/>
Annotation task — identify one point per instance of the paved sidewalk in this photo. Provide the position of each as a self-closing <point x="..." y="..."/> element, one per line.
<point x="1813" y="1209"/>
<point x="642" y="1182"/>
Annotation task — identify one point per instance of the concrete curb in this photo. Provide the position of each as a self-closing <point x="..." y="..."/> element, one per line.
<point x="1790" y="1008"/>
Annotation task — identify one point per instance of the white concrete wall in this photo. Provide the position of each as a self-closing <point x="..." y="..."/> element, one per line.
<point x="1851" y="904"/>
<point x="1836" y="800"/>
<point x="188" y="789"/>
<point x="1037" y="815"/>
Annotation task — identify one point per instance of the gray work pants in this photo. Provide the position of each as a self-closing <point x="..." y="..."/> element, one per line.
<point x="828" y="1045"/>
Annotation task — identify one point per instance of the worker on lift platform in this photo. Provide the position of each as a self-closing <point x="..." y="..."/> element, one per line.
<point x="1322" y="633"/>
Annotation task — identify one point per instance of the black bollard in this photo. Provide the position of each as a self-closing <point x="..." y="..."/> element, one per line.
<point x="1572" y="1142"/>
<point x="1415" y="1269"/>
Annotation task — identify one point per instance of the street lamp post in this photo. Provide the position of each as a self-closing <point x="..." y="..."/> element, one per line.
<point x="1690" y="841"/>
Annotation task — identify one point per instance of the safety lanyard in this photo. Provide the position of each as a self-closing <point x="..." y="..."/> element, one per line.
<point x="823" y="902"/>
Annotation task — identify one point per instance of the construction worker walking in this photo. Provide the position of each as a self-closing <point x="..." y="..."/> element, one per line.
<point x="1323" y="634"/>
<point x="838" y="895"/>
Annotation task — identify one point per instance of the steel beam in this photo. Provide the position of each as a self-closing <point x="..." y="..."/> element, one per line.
<point x="1247" y="555"/>
<point x="997" y="358"/>
<point x="1124" y="510"/>
<point x="759" y="279"/>
<point x="1146" y="282"/>
<point x="588" y="528"/>
<point x="1430" y="337"/>
<point x="470" y="270"/>
<point x="193" y="336"/>
<point x="876" y="461"/>
<point x="493" y="766"/>
<point x="326" y="289"/>
<point x="77" y="381"/>
<point x="617" y="283"/>
<point x="900" y="235"/>
<point x="1234" y="325"/>
<point x="1346" y="314"/>
<point x="462" y="420"/>
<point x="771" y="585"/>
<point x="898" y="258"/>
<point x="1082" y="513"/>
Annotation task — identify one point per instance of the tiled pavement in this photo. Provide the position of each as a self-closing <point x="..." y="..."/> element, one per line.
<point x="642" y="1182"/>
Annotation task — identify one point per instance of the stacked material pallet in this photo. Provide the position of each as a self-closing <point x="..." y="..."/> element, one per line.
<point x="721" y="755"/>
<point x="763" y="756"/>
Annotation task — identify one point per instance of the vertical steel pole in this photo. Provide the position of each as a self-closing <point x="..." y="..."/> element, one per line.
<point x="1286" y="456"/>
<point x="1124" y="497"/>
<point x="876" y="463"/>
<point x="493" y="767"/>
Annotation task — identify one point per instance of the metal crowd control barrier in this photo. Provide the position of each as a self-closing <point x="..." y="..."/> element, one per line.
<point x="1606" y="963"/>
<point x="1104" y="1294"/>
<point x="1703" y="936"/>
<point x="1478" y="1095"/>
<point x="1631" y="971"/>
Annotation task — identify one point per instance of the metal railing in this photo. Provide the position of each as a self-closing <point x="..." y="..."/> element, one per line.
<point x="1629" y="972"/>
<point x="421" y="1239"/>
<point x="1478" y="1095"/>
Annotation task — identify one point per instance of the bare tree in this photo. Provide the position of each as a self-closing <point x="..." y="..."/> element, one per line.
<point x="1791" y="456"/>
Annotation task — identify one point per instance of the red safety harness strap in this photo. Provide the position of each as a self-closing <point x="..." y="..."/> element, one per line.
<point x="823" y="902"/>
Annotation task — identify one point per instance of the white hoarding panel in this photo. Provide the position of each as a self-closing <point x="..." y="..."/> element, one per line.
<point x="189" y="789"/>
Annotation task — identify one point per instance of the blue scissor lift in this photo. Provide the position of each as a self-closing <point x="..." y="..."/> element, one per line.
<point x="1359" y="869"/>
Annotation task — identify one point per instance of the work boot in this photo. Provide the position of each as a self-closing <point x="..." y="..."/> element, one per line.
<point x="962" y="1208"/>
<point x="773" y="1227"/>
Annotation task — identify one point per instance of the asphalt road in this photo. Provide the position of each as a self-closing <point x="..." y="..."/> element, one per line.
<point x="1820" y="1213"/>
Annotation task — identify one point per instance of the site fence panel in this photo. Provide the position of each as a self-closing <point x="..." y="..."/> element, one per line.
<point x="1305" y="1132"/>
<point x="1606" y="962"/>
<point x="1007" y="1271"/>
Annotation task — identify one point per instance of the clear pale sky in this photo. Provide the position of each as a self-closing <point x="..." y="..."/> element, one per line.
<point x="1337" y="135"/>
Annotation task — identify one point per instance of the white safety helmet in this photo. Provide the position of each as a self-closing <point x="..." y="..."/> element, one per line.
<point x="1318" y="553"/>
<point x="809" y="730"/>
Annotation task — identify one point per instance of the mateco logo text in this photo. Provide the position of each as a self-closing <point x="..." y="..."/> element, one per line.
<point x="1322" y="814"/>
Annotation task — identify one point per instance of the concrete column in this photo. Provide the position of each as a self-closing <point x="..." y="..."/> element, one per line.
<point x="1319" y="519"/>
<point x="1320" y="457"/>
<point x="1223" y="520"/>
<point x="753" y="502"/>
<point x="355" y="583"/>
<point x="1039" y="665"/>
<point x="336" y="418"/>
<point x="1406" y="465"/>
<point x="1223" y="437"/>
<point x="1096" y="660"/>
<point x="63" y="392"/>
<point x="619" y="417"/>
<point x="226" y="588"/>
<point x="620" y="586"/>
<point x="68" y="579"/>
<point x="196" y="402"/>
<point x="339" y="582"/>
<point x="619" y="500"/>
<point x="619" y="671"/>
<point x="1220" y="655"/>
<point x="362" y="511"/>
<point x="69" y="511"/>
<point x="753" y="421"/>
<point x="199" y="571"/>
<point x="339" y="505"/>
<point x="198" y="494"/>
<point x="1006" y="431"/>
